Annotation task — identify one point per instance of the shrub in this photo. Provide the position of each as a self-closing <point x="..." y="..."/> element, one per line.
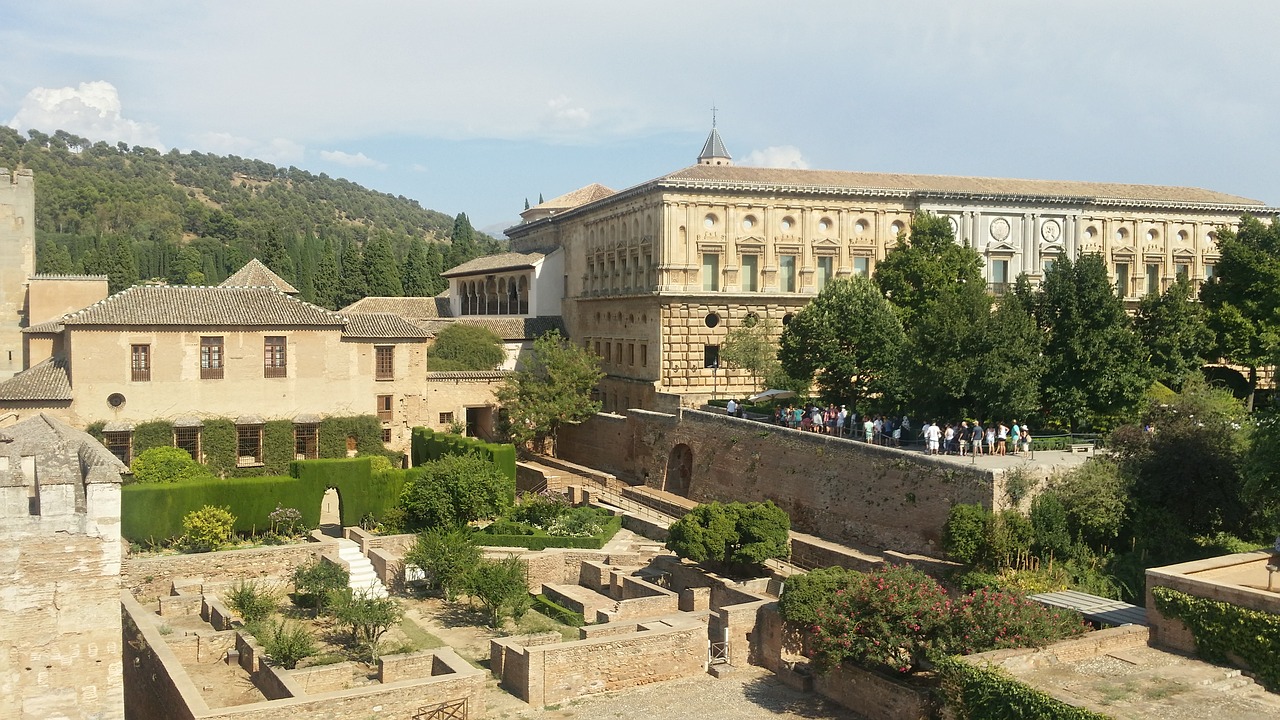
<point x="1094" y="496"/>
<point x="165" y="465"/>
<point x="539" y="510"/>
<point x="803" y="595"/>
<point x="964" y="536"/>
<point x="254" y="602"/>
<point x="366" y="618"/>
<point x="465" y="347"/>
<point x="990" y="620"/>
<point x="447" y="556"/>
<point x="287" y="643"/>
<point x="207" y="529"/>
<point x="1049" y="526"/>
<point x="454" y="490"/>
<point x="548" y="607"/>
<point x="892" y="617"/>
<point x="736" y="535"/>
<point x="579" y="522"/>
<point x="503" y="526"/>
<point x="501" y="588"/>
<point x="990" y="693"/>
<point x="315" y="581"/>
<point x="285" y="522"/>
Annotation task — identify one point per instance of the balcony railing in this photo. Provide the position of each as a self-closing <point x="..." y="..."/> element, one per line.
<point x="211" y="373"/>
<point x="999" y="288"/>
<point x="141" y="374"/>
<point x="275" y="371"/>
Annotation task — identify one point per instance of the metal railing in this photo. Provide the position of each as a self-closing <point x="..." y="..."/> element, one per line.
<point x="451" y="710"/>
<point x="718" y="653"/>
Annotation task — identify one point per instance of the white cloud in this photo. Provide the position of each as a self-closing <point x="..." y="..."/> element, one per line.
<point x="357" y="160"/>
<point x="776" y="156"/>
<point x="91" y="109"/>
<point x="564" y="115"/>
<point x="277" y="151"/>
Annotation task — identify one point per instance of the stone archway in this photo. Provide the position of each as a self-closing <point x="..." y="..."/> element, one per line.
<point x="331" y="513"/>
<point x="679" y="470"/>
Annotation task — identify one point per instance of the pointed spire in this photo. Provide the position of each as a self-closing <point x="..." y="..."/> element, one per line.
<point x="713" y="150"/>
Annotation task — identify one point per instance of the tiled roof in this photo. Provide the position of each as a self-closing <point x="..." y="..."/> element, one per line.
<point x="581" y="196"/>
<point x="381" y="325"/>
<point x="467" y="374"/>
<point x="947" y="184"/>
<point x="494" y="263"/>
<point x="197" y="305"/>
<point x="60" y="276"/>
<point x="506" y="327"/>
<point x="52" y="326"/>
<point x="43" y="435"/>
<point x="255" y="274"/>
<point x="46" y="381"/>
<point x="415" y="308"/>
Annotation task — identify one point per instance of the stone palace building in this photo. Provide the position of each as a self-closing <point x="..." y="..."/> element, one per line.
<point x="656" y="275"/>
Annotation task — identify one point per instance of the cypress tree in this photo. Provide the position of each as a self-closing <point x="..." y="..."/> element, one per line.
<point x="326" y="282"/>
<point x="416" y="281"/>
<point x="353" y="285"/>
<point x="380" y="268"/>
<point x="435" y="265"/>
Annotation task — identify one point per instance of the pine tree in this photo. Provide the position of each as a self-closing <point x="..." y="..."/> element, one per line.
<point x="416" y="281"/>
<point x="353" y="285"/>
<point x="326" y="281"/>
<point x="53" y="258"/>
<point x="380" y="269"/>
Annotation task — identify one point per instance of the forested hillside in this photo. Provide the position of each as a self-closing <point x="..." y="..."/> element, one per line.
<point x="135" y="214"/>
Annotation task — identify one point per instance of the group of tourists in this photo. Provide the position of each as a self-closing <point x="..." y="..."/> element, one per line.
<point x="964" y="438"/>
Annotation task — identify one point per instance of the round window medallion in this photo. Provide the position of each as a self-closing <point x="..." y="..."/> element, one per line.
<point x="748" y="222"/>
<point x="787" y="223"/>
<point x="786" y="319"/>
<point x="860" y="227"/>
<point x="712" y="320"/>
<point x="999" y="229"/>
<point x="824" y="224"/>
<point x="750" y="320"/>
<point x="115" y="400"/>
<point x="709" y="221"/>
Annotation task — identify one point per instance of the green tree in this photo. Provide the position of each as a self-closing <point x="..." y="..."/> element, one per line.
<point x="1174" y="333"/>
<point x="462" y="346"/>
<point x="1243" y="297"/>
<point x="207" y="529"/>
<point x="916" y="272"/>
<point x="752" y="347"/>
<point x="447" y="555"/>
<point x="462" y="242"/>
<point x="119" y="264"/>
<point x="851" y="337"/>
<point x="53" y="258"/>
<point x="380" y="269"/>
<point x="165" y="465"/>
<point x="416" y="280"/>
<point x="316" y="581"/>
<point x="454" y="490"/>
<point x="739" y="536"/>
<point x="327" y="281"/>
<point x="554" y="387"/>
<point x="1095" y="370"/>
<point x="501" y="587"/>
<point x="1008" y="363"/>
<point x="275" y="255"/>
<point x="366" y="618"/>
<point x="940" y="367"/>
<point x="353" y="286"/>
<point x="287" y="643"/>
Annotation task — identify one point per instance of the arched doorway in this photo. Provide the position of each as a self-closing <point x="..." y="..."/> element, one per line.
<point x="679" y="470"/>
<point x="331" y="513"/>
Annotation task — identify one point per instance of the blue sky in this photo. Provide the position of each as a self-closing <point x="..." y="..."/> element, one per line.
<point x="474" y="106"/>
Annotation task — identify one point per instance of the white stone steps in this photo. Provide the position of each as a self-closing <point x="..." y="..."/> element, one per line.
<point x="363" y="579"/>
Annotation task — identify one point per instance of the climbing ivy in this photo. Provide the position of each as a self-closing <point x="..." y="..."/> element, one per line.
<point x="147" y="435"/>
<point x="1220" y="628"/>
<point x="366" y="430"/>
<point x="218" y="441"/>
<point x="277" y="447"/>
<point x="974" y="692"/>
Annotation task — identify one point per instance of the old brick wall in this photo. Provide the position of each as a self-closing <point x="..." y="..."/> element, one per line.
<point x="837" y="489"/>
<point x="151" y="577"/>
<point x="873" y="695"/>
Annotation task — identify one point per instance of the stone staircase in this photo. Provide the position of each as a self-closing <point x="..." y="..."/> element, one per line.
<point x="364" y="581"/>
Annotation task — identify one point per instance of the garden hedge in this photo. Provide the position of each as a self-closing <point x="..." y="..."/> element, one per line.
<point x="427" y="444"/>
<point x="543" y="541"/>
<point x="154" y="512"/>
<point x="557" y="612"/>
<point x="987" y="693"/>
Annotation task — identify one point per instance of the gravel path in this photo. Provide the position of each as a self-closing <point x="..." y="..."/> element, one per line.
<point x="749" y="693"/>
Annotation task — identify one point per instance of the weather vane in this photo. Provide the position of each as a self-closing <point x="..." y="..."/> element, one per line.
<point x="713" y="115"/>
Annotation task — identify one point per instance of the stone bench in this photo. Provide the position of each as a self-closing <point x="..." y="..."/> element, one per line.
<point x="1085" y="448"/>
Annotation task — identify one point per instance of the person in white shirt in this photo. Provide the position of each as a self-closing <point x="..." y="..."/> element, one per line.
<point x="931" y="436"/>
<point x="732" y="407"/>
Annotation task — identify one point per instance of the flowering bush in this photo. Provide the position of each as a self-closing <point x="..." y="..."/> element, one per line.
<point x="989" y="620"/>
<point x="892" y="617"/>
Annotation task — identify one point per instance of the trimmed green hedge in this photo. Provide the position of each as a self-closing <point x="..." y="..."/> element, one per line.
<point x="427" y="444"/>
<point x="984" y="693"/>
<point x="542" y="541"/>
<point x="557" y="612"/>
<point x="155" y="512"/>
<point x="1221" y="628"/>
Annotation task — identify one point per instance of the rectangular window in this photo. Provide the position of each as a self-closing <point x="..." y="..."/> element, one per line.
<point x="384" y="408"/>
<point x="631" y="354"/>
<point x="618" y="358"/>
<point x="750" y="273"/>
<point x="999" y="276"/>
<point x="1153" y="279"/>
<point x="648" y="269"/>
<point x="446" y="418"/>
<point x="384" y="362"/>
<point x="711" y="272"/>
<point x="644" y="355"/>
<point x="210" y="358"/>
<point x="248" y="445"/>
<point x="1122" y="279"/>
<point x="386" y="435"/>
<point x="1208" y="271"/>
<point x="306" y="445"/>
<point x="140" y="362"/>
<point x="120" y="443"/>
<point x="188" y="438"/>
<point x="608" y="352"/>
<point x="1182" y="271"/>
<point x="786" y="273"/>
<point x="626" y="277"/>
<point x="597" y="348"/>
<point x="275" y="359"/>
<point x="825" y="272"/>
<point x="1047" y="266"/>
<point x="710" y="356"/>
<point x="862" y="266"/>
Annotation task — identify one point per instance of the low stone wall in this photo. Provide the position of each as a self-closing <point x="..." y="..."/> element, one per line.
<point x="874" y="696"/>
<point x="739" y="625"/>
<point x="553" y="673"/>
<point x="1216" y="578"/>
<point x="810" y="551"/>
<point x="151" y="577"/>
<point x="180" y="605"/>
<point x="502" y="648"/>
<point x="216" y="614"/>
<point x="638" y="599"/>
<point x="323" y="678"/>
<point x="1089" y="645"/>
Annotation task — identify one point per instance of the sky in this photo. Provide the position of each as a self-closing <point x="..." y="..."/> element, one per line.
<point x="477" y="106"/>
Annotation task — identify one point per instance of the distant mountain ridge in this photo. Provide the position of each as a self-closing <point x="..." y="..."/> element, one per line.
<point x="136" y="214"/>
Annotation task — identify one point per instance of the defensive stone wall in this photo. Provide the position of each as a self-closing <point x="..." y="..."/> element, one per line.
<point x="838" y="489"/>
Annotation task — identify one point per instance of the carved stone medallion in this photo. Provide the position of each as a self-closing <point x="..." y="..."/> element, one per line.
<point x="1051" y="231"/>
<point x="999" y="229"/>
